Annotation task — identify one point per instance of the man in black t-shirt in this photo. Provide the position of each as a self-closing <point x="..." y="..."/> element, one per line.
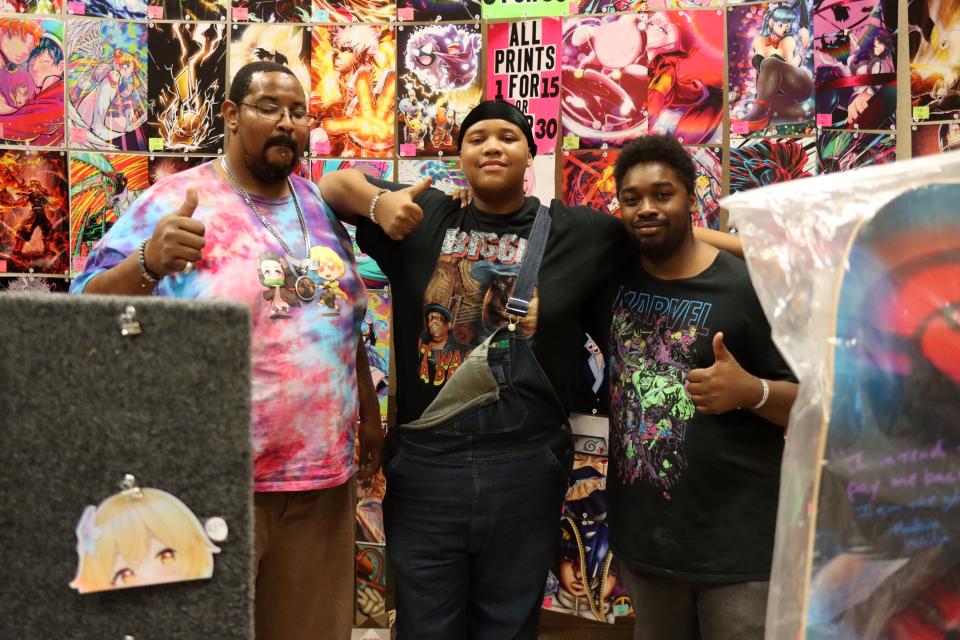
<point x="699" y="397"/>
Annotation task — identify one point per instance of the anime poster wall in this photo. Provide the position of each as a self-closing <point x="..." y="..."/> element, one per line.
<point x="121" y="9"/>
<point x="437" y="10"/>
<point x="708" y="185"/>
<point x="770" y="50"/>
<point x="107" y="85"/>
<point x="845" y="150"/>
<point x="934" y="59"/>
<point x="446" y="173"/>
<point x="439" y="83"/>
<point x="102" y="186"/>
<point x="931" y="139"/>
<point x="188" y="9"/>
<point x="271" y="10"/>
<point x="38" y="7"/>
<point x="354" y="91"/>
<point x="33" y="212"/>
<point x="588" y="180"/>
<point x="188" y="65"/>
<point x="338" y="11"/>
<point x="371" y="600"/>
<point x="522" y="69"/>
<point x="161" y="167"/>
<point x="31" y="82"/>
<point x="758" y="162"/>
<point x="285" y="44"/>
<point x="855" y="50"/>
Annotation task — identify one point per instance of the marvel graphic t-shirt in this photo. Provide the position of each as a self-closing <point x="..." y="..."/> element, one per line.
<point x="690" y="495"/>
<point x="305" y="329"/>
<point x="452" y="277"/>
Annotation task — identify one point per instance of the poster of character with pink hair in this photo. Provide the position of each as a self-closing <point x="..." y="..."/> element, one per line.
<point x="588" y="179"/>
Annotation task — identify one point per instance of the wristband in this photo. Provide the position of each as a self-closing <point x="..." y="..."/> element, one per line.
<point x="373" y="205"/>
<point x="766" y="395"/>
<point x="145" y="273"/>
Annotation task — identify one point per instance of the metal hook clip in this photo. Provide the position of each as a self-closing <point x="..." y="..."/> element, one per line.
<point x="129" y="487"/>
<point x="129" y="325"/>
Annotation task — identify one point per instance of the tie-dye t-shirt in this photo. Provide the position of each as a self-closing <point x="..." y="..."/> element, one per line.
<point x="303" y="352"/>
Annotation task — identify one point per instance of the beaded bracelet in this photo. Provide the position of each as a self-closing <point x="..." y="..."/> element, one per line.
<point x="147" y="275"/>
<point x="766" y="395"/>
<point x="373" y="205"/>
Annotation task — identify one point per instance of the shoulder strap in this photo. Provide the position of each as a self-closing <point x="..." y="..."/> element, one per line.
<point x="519" y="303"/>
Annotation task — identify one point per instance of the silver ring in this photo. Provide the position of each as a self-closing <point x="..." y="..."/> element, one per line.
<point x="187" y="268"/>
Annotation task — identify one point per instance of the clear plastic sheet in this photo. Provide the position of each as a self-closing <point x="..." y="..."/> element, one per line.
<point x="868" y="529"/>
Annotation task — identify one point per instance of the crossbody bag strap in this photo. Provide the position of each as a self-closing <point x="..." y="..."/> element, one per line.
<point x="518" y="306"/>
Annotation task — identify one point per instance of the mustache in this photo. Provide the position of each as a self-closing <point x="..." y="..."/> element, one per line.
<point x="282" y="141"/>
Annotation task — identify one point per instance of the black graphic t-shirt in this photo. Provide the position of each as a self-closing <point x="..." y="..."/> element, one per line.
<point x="452" y="276"/>
<point x="692" y="496"/>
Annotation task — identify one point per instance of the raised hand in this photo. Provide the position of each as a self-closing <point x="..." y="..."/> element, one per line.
<point x="177" y="239"/>
<point x="724" y="385"/>
<point x="397" y="213"/>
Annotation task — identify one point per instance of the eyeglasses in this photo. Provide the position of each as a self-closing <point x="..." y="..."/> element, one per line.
<point x="274" y="113"/>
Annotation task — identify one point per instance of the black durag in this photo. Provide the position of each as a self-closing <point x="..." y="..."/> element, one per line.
<point x="498" y="110"/>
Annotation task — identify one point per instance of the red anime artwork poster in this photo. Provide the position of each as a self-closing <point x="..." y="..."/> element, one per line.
<point x="758" y="162"/>
<point x="522" y="69"/>
<point x="855" y="54"/>
<point x="930" y="139"/>
<point x="34" y="7"/>
<point x="588" y="179"/>
<point x="684" y="52"/>
<point x="107" y="85"/>
<point x="161" y="167"/>
<point x="708" y="185"/>
<point x="340" y="11"/>
<point x="439" y="83"/>
<point x="102" y="187"/>
<point x="934" y="59"/>
<point x="188" y="68"/>
<point x="770" y="55"/>
<point x="354" y="91"/>
<point x="31" y="82"/>
<point x="33" y="284"/>
<point x="271" y="10"/>
<point x="284" y="44"/>
<point x="34" y="224"/>
<point x="603" y="84"/>
<point x="846" y="150"/>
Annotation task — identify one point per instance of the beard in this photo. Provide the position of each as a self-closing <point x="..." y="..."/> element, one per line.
<point x="271" y="172"/>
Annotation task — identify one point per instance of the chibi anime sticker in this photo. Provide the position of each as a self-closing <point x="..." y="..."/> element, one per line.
<point x="281" y="43"/>
<point x="439" y="83"/>
<point x="522" y="69"/>
<point x="931" y="139"/>
<point x="446" y="173"/>
<point x="138" y="538"/>
<point x="757" y="162"/>
<point x="934" y="63"/>
<point x="603" y="80"/>
<point x="271" y="10"/>
<point x="107" y="85"/>
<point x="708" y="185"/>
<point x="770" y="52"/>
<point x="438" y="10"/>
<point x="845" y="150"/>
<point x="31" y="82"/>
<point x="588" y="180"/>
<point x="354" y="91"/>
<point x="685" y="65"/>
<point x="855" y="61"/>
<point x="186" y="86"/>
<point x="33" y="212"/>
<point x="102" y="187"/>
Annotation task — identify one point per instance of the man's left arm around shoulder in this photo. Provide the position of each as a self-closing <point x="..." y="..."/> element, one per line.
<point x="352" y="198"/>
<point x="725" y="386"/>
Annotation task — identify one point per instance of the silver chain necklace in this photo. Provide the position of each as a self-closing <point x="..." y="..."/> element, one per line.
<point x="300" y="266"/>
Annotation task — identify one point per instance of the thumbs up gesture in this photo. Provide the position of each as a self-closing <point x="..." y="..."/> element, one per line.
<point x="724" y="385"/>
<point x="177" y="240"/>
<point x="397" y="213"/>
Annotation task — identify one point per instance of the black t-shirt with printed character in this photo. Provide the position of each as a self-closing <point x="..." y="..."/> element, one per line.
<point x="692" y="496"/>
<point x="452" y="275"/>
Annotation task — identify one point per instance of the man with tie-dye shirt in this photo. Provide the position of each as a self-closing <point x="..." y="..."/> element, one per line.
<point x="243" y="228"/>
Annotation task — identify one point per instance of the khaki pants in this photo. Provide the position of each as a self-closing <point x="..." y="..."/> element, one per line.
<point x="304" y="563"/>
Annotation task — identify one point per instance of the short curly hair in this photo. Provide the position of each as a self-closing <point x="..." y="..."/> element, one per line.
<point x="656" y="148"/>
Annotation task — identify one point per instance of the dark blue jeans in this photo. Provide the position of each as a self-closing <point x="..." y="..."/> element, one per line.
<point x="472" y="527"/>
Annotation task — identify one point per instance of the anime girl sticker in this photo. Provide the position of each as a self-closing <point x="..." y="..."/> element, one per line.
<point x="137" y="538"/>
<point x="329" y="266"/>
<point x="280" y="281"/>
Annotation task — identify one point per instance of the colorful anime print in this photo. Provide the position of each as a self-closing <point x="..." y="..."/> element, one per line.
<point x="161" y="167"/>
<point x="371" y="585"/>
<point x="588" y="180"/>
<point x="33" y="284"/>
<point x="272" y="10"/>
<point x="102" y="186"/>
<point x="685" y="65"/>
<point x="930" y="139"/>
<point x="934" y="61"/>
<point x="446" y="173"/>
<point x="708" y="185"/>
<point x="603" y="80"/>
<point x="771" y="68"/>
<point x="439" y="68"/>
<point x="34" y="231"/>
<point x="121" y="9"/>
<point x="107" y="85"/>
<point x="375" y="333"/>
<point x="31" y="82"/>
<point x="285" y="44"/>
<point x="845" y="150"/>
<point x="438" y="10"/>
<point x="855" y="60"/>
<point x="354" y="91"/>
<point x="338" y="11"/>
<point x="188" y="65"/>
<point x="188" y="9"/>
<point x="379" y="169"/>
<point x="758" y="162"/>
<point x="34" y="7"/>
<point x="648" y="394"/>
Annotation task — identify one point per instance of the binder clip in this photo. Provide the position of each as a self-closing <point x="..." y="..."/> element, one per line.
<point x="129" y="325"/>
